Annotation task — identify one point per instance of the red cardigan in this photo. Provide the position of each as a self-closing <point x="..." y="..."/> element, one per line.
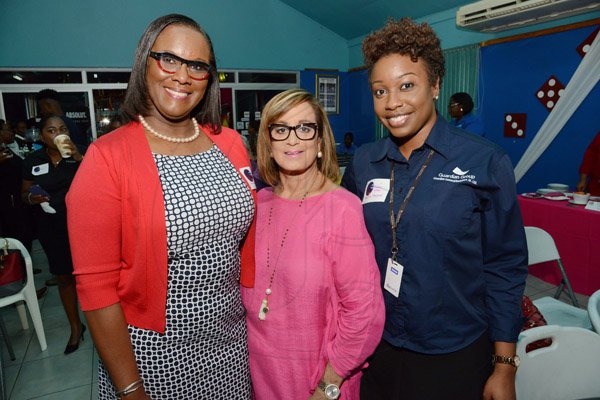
<point x="116" y="219"/>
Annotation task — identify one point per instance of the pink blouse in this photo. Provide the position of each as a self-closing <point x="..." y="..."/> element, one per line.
<point x="326" y="303"/>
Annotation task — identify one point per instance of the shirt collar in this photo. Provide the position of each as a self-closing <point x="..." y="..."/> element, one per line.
<point x="438" y="139"/>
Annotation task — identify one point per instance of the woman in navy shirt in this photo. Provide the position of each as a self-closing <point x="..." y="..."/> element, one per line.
<point x="440" y="205"/>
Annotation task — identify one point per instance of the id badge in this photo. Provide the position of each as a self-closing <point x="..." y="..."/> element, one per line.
<point x="393" y="277"/>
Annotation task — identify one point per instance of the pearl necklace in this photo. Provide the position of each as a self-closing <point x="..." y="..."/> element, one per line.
<point x="171" y="138"/>
<point x="264" y="305"/>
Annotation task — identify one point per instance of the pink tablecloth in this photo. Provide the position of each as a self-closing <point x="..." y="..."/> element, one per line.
<point x="576" y="232"/>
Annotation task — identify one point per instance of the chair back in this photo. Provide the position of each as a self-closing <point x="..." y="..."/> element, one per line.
<point x="566" y="370"/>
<point x="25" y="294"/>
<point x="594" y="310"/>
<point x="540" y="245"/>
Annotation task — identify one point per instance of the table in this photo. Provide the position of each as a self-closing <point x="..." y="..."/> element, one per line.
<point x="576" y="232"/>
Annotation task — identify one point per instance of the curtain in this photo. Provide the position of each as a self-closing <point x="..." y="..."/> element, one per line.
<point x="462" y="74"/>
<point x="462" y="66"/>
<point x="583" y="81"/>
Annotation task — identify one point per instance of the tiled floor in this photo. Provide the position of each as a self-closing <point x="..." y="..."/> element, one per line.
<point x="51" y="375"/>
<point x="48" y="374"/>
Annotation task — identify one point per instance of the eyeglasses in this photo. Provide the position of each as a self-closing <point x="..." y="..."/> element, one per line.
<point x="305" y="131"/>
<point x="453" y="105"/>
<point x="170" y="63"/>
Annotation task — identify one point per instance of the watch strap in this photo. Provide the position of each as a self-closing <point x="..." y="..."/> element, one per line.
<point x="514" y="360"/>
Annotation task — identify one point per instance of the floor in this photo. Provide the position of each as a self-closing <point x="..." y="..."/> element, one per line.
<point x="51" y="375"/>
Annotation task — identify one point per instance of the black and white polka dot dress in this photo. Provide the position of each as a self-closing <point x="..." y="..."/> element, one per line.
<point x="203" y="353"/>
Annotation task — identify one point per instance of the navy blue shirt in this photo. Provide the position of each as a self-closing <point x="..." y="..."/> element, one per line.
<point x="461" y="240"/>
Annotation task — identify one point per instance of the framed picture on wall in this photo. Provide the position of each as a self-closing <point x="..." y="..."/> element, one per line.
<point x="328" y="92"/>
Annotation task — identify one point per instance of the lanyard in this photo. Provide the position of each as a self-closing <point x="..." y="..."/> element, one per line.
<point x="395" y="219"/>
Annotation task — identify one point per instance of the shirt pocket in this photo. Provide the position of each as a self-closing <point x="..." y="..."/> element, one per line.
<point x="451" y="209"/>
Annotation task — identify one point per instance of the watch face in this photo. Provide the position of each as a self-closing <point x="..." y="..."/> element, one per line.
<point x="516" y="360"/>
<point x="332" y="392"/>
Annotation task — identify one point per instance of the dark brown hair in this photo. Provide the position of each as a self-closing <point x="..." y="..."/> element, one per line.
<point x="207" y="112"/>
<point x="405" y="37"/>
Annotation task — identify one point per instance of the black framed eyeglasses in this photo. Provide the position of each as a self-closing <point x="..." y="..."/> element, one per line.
<point x="170" y="63"/>
<point x="305" y="131"/>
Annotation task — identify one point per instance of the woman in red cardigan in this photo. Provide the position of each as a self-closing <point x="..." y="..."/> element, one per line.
<point x="158" y="213"/>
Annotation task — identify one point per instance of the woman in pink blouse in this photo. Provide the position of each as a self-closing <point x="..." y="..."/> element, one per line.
<point x="316" y="311"/>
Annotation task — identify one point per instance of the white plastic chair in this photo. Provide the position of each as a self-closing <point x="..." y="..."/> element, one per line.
<point x="565" y="370"/>
<point x="541" y="248"/>
<point x="26" y="294"/>
<point x="594" y="310"/>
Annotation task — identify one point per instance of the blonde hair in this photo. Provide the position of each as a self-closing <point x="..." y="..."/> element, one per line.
<point x="275" y="108"/>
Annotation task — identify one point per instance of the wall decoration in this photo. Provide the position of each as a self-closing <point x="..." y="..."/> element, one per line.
<point x="584" y="47"/>
<point x="514" y="125"/>
<point x="328" y="92"/>
<point x="550" y="92"/>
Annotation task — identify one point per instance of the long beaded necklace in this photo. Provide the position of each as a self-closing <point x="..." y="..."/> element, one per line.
<point x="171" y="138"/>
<point x="264" y="305"/>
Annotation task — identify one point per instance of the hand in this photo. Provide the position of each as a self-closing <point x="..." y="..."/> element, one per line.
<point x="318" y="395"/>
<point x="74" y="151"/>
<point x="36" y="199"/>
<point x="501" y="384"/>
<point x="5" y="156"/>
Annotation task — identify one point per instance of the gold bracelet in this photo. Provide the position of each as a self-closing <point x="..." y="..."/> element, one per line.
<point x="132" y="387"/>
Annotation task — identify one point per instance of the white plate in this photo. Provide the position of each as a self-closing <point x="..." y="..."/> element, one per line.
<point x="556" y="198"/>
<point x="577" y="204"/>
<point x="561" y="187"/>
<point x="546" y="190"/>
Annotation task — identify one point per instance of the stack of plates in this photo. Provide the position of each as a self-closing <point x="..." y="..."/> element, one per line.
<point x="558" y="187"/>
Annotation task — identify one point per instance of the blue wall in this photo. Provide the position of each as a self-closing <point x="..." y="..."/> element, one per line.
<point x="264" y="34"/>
<point x="510" y="76"/>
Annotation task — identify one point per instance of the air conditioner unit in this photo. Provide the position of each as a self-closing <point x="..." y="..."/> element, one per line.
<point x="498" y="15"/>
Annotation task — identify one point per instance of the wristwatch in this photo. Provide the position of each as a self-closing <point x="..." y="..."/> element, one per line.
<point x="514" y="360"/>
<point x="332" y="392"/>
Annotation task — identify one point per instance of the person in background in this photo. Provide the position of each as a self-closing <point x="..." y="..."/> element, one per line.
<point x="348" y="147"/>
<point x="589" y="170"/>
<point x="160" y="209"/>
<point x="316" y="312"/>
<point x="253" y="127"/>
<point x="48" y="101"/>
<point x="47" y="177"/>
<point x="15" y="220"/>
<point x="460" y="109"/>
<point x="20" y="131"/>
<point x="441" y="208"/>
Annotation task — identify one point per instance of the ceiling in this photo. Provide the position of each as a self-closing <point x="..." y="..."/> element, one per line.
<point x="355" y="18"/>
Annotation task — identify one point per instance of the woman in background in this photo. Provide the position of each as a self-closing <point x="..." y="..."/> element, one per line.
<point x="316" y="311"/>
<point x="159" y="210"/>
<point x="47" y="177"/>
<point x="441" y="208"/>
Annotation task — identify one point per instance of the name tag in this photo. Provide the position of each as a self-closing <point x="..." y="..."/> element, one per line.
<point x="40" y="169"/>
<point x="376" y="191"/>
<point x="393" y="277"/>
<point x="247" y="174"/>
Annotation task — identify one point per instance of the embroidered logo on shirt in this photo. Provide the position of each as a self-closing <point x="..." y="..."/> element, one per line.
<point x="457" y="176"/>
<point x="459" y="171"/>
